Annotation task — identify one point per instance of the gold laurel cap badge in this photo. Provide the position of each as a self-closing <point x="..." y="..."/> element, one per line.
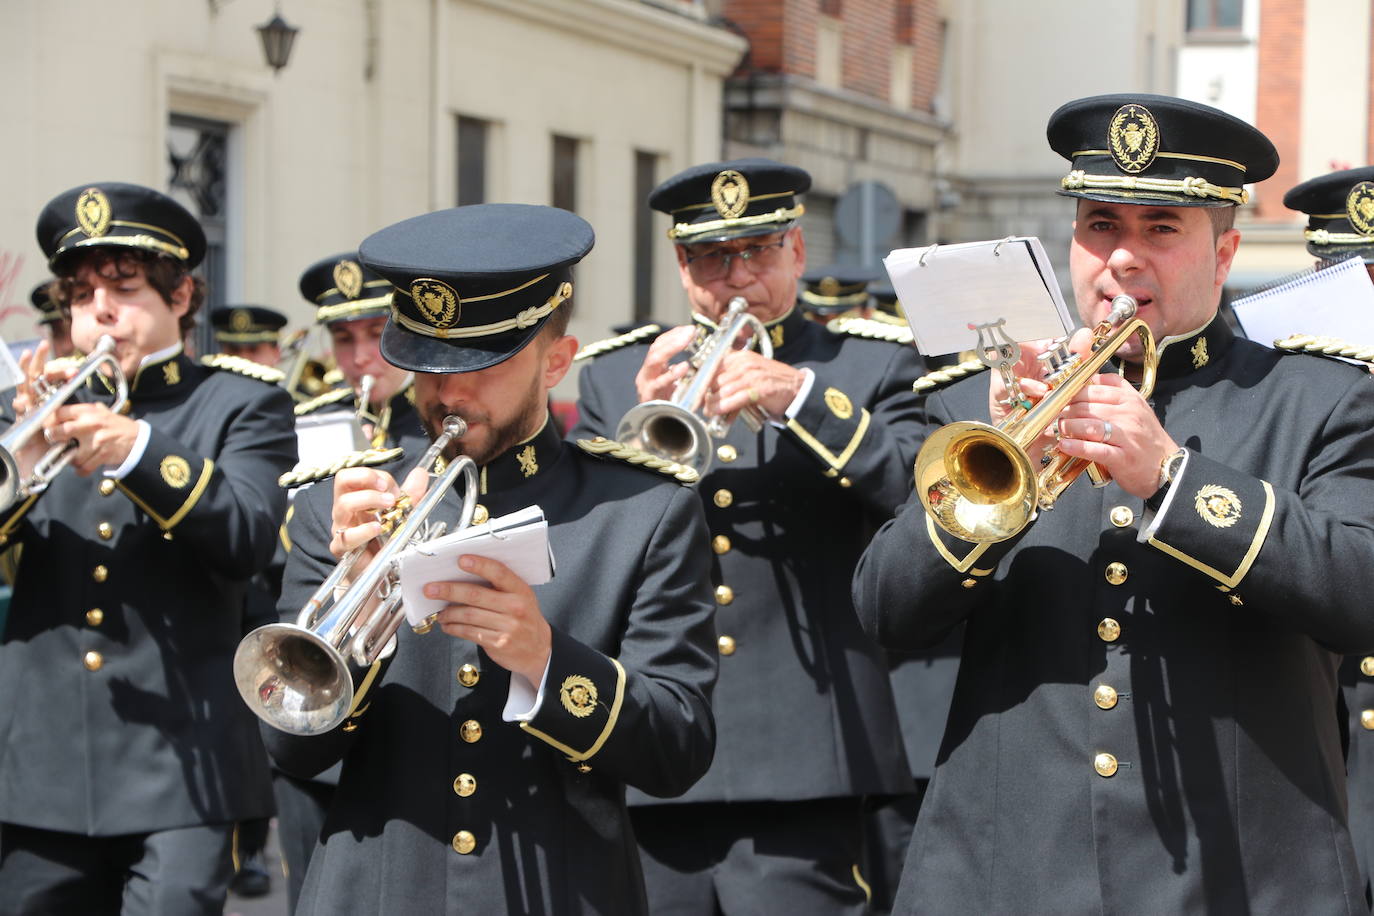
<point x="1133" y="138"/>
<point x="730" y="194"/>
<point x="829" y="286"/>
<point x="93" y="212"/>
<point x="1217" y="505"/>
<point x="839" y="403"/>
<point x="239" y="320"/>
<point x="437" y="301"/>
<point x="1359" y="207"/>
<point x="176" y="471"/>
<point x="578" y="694"/>
<point x="348" y="279"/>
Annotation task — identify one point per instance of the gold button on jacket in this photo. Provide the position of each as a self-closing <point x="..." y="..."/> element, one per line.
<point x="93" y="661"/>
<point x="107" y="486"/>
<point x="726" y="644"/>
<point x="480" y="515"/>
<point x="1105" y="764"/>
<point x="720" y="544"/>
<point x="727" y="453"/>
<point x="1367" y="666"/>
<point x="468" y="676"/>
<point x="105" y="530"/>
<point x="1108" y="630"/>
<point x="95" y="617"/>
<point x="1116" y="573"/>
<point x="1367" y="719"/>
<point x="464" y="842"/>
<point x="465" y="784"/>
<point x="724" y="594"/>
<point x="723" y="499"/>
<point x="1104" y="696"/>
<point x="1122" y="516"/>
<point x="470" y="731"/>
<point x="100" y="573"/>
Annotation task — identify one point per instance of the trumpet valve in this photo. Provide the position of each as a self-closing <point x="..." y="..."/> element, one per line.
<point x="425" y="625"/>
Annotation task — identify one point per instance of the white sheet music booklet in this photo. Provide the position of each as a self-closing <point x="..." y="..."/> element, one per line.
<point x="948" y="290"/>
<point x="520" y="540"/>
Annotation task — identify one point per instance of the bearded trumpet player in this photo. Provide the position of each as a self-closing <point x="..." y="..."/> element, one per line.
<point x="122" y="786"/>
<point x="485" y="762"/>
<point x="1149" y="670"/>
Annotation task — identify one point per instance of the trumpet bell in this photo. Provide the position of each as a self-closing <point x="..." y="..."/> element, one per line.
<point x="293" y="679"/>
<point x="669" y="431"/>
<point x="976" y="482"/>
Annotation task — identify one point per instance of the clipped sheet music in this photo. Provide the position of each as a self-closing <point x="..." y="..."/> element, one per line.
<point x="947" y="288"/>
<point x="520" y="540"/>
<point x="1336" y="301"/>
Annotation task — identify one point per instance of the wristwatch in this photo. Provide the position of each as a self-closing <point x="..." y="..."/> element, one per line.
<point x="1170" y="467"/>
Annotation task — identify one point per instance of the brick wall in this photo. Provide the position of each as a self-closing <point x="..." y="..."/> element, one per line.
<point x="782" y="36"/>
<point x="1279" y="98"/>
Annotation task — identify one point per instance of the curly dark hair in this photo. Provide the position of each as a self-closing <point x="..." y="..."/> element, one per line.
<point x="163" y="274"/>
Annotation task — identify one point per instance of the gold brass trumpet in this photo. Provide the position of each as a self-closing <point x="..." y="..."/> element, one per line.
<point x="17" y="483"/>
<point x="977" y="481"/>
<point x="298" y="677"/>
<point x="676" y="429"/>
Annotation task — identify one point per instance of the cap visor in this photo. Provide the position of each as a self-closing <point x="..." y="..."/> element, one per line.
<point x="417" y="353"/>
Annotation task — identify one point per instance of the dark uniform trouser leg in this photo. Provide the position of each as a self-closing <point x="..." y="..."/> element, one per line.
<point x="301" y="807"/>
<point x="183" y="871"/>
<point x="755" y="858"/>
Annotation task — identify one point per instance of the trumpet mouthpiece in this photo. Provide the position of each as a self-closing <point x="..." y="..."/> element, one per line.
<point x="1123" y="307"/>
<point x="454" y="426"/>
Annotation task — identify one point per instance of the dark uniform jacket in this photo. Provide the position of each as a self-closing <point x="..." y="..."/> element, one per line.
<point x="1357" y="688"/>
<point x="804" y="707"/>
<point x="1143" y="718"/>
<point x="127" y="609"/>
<point x="442" y="806"/>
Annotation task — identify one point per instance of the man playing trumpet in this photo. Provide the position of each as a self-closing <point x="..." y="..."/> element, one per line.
<point x="485" y="762"/>
<point x="1144" y="717"/>
<point x="127" y="755"/>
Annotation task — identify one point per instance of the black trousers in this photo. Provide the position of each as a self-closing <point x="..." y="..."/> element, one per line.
<point x="753" y="858"/>
<point x="301" y="807"/>
<point x="165" y="873"/>
<point x="887" y="834"/>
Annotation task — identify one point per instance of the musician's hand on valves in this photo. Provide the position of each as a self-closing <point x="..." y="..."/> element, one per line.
<point x="748" y="379"/>
<point x="1108" y="422"/>
<point x="361" y="496"/>
<point x="1029" y="372"/>
<point x="656" y="379"/>
<point x="103" y="438"/>
<point x="502" y="617"/>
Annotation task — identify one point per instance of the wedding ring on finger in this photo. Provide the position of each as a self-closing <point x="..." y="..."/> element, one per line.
<point x="1106" y="430"/>
<point x="753" y="396"/>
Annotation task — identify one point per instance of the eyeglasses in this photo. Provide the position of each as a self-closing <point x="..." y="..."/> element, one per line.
<point x="713" y="265"/>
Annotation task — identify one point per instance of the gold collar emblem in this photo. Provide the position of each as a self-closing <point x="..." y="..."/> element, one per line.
<point x="437" y="301"/>
<point x="839" y="403"/>
<point x="730" y="194"/>
<point x="1218" y="506"/>
<point x="93" y="212"/>
<point x="1133" y="138"/>
<point x="578" y="695"/>
<point x="171" y="372"/>
<point x="1199" y="352"/>
<point x="1359" y="207"/>
<point x="528" y="466"/>
<point x="348" y="279"/>
<point x="775" y="335"/>
<point x="239" y="320"/>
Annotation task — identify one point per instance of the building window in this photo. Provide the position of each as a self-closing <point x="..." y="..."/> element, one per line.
<point x="829" y="52"/>
<point x="1215" y="15"/>
<point x="474" y="136"/>
<point x="646" y="179"/>
<point x="564" y="173"/>
<point x="198" y="179"/>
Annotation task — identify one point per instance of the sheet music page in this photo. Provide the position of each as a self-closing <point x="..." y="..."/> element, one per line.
<point x="1337" y="301"/>
<point x="520" y="540"/>
<point x="947" y="288"/>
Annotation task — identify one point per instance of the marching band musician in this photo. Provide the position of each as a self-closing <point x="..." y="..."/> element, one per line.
<point x="485" y="763"/>
<point x="122" y="785"/>
<point x="251" y="332"/>
<point x="352" y="303"/>
<point x="1340" y="225"/>
<point x="804" y="708"/>
<point x="1143" y="716"/>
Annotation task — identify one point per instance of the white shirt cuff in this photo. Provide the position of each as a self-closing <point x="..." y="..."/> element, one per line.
<point x="135" y="453"/>
<point x="1149" y="530"/>
<point x="523" y="696"/>
<point x="795" y="407"/>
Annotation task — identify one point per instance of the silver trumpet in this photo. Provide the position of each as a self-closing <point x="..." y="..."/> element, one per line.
<point x="298" y="677"/>
<point x="677" y="429"/>
<point x="15" y="482"/>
